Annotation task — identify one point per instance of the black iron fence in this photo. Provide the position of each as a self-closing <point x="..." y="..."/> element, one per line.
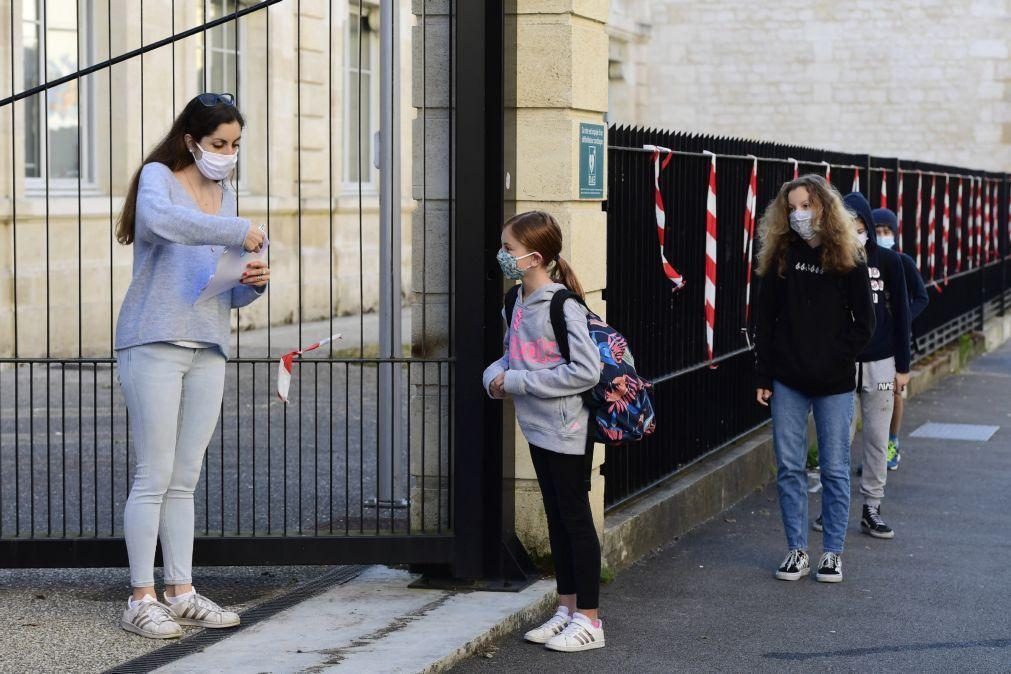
<point x="362" y="464"/>
<point x="701" y="408"/>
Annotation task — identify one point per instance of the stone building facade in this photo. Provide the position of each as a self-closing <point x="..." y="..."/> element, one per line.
<point x="915" y="79"/>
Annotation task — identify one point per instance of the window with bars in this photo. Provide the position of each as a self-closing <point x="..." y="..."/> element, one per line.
<point x="58" y="124"/>
<point x="361" y="107"/>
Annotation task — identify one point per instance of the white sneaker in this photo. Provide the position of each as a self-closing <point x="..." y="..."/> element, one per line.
<point x="200" y="611"/>
<point x="552" y="628"/>
<point x="151" y="619"/>
<point x="580" y="635"/>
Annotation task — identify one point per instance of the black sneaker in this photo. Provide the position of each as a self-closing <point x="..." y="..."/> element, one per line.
<point x="818" y="525"/>
<point x="871" y="523"/>
<point x="829" y="569"/>
<point x="795" y="566"/>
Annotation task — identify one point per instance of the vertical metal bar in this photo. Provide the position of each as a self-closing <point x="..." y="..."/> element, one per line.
<point x="14" y="281"/>
<point x="361" y="293"/>
<point x="330" y="240"/>
<point x="315" y="446"/>
<point x="252" y="479"/>
<point x="269" y="313"/>
<point x="298" y="187"/>
<point x="390" y="338"/>
<point x="347" y="450"/>
<point x="80" y="281"/>
<point x="94" y="436"/>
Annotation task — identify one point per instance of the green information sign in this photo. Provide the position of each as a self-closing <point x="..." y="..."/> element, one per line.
<point x="591" y="161"/>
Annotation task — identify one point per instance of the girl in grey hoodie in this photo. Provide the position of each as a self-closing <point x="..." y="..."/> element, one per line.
<point x="546" y="391"/>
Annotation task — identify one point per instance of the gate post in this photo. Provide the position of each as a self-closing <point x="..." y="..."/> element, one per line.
<point x="547" y="111"/>
<point x="486" y="545"/>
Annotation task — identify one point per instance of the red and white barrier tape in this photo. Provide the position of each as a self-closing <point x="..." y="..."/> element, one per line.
<point x="672" y="274"/>
<point x="710" y="293"/>
<point x="898" y="212"/>
<point x="945" y="225"/>
<point x="958" y="228"/>
<point x="931" y="227"/>
<point x="856" y="180"/>
<point x="919" y="221"/>
<point x="284" y="366"/>
<point x="750" y="209"/>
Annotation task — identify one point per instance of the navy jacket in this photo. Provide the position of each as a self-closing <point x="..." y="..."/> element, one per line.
<point x="892" y="335"/>
<point x="918" y="297"/>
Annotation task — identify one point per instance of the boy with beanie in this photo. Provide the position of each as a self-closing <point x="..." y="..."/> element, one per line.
<point x="886" y="226"/>
<point x="883" y="366"/>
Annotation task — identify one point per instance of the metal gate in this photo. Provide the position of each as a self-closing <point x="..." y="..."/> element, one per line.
<point x="340" y="98"/>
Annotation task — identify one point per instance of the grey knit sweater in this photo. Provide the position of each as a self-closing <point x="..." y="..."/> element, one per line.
<point x="176" y="248"/>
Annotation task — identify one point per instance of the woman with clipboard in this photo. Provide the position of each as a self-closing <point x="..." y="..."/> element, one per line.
<point x="171" y="351"/>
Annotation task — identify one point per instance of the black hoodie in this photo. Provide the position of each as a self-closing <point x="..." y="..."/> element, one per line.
<point x="811" y="324"/>
<point x="891" y="296"/>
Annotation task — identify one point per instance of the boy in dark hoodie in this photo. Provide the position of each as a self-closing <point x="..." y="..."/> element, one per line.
<point x="887" y="228"/>
<point x="883" y="365"/>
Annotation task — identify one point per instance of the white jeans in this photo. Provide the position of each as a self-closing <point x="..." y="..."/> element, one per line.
<point x="173" y="395"/>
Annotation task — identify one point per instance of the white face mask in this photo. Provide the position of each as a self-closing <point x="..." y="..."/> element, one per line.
<point x="215" y="166"/>
<point x="862" y="237"/>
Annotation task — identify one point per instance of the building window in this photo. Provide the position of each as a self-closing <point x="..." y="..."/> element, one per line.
<point x="51" y="50"/>
<point x="361" y="107"/>
<point x="223" y="49"/>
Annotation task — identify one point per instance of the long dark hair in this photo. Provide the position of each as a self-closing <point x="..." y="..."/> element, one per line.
<point x="197" y="120"/>
<point x="539" y="232"/>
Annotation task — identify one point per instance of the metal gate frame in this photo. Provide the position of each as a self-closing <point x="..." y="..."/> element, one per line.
<point x="482" y="543"/>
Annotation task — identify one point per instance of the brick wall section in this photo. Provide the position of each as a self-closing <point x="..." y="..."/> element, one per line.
<point x="920" y="79"/>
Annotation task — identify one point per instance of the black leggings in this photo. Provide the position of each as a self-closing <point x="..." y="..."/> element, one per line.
<point x="575" y="547"/>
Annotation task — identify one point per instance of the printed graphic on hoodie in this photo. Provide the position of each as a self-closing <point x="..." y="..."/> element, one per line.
<point x="541" y="350"/>
<point x="877" y="285"/>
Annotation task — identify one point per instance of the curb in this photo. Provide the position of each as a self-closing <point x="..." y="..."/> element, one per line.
<point x="538" y="606"/>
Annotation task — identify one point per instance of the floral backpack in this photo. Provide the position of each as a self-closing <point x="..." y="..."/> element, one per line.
<point x="620" y="404"/>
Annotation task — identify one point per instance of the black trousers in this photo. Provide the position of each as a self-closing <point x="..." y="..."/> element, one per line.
<point x="575" y="547"/>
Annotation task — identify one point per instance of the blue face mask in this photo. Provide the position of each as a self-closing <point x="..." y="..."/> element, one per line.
<point x="886" y="241"/>
<point x="510" y="265"/>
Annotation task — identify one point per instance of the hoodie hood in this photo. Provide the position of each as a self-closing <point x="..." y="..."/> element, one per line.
<point x="857" y="204"/>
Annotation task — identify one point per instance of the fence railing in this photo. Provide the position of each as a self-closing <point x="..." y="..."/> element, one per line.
<point x="701" y="408"/>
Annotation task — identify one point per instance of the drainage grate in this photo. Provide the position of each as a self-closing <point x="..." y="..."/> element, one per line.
<point x="201" y="640"/>
<point x="971" y="432"/>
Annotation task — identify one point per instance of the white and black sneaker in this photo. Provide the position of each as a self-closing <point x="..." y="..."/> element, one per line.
<point x="829" y="568"/>
<point x="150" y="618"/>
<point x="554" y="626"/>
<point x="579" y="635"/>
<point x="199" y="611"/>
<point x="872" y="524"/>
<point x="795" y="566"/>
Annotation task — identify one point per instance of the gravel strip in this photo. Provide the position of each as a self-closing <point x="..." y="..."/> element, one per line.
<point x="67" y="620"/>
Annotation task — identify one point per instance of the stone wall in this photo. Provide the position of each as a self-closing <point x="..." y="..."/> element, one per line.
<point x="916" y="79"/>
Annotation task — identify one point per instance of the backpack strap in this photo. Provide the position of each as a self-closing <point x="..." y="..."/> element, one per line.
<point x="510" y="303"/>
<point x="558" y="319"/>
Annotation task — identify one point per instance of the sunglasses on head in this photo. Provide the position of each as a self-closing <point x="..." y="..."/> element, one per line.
<point x="210" y="100"/>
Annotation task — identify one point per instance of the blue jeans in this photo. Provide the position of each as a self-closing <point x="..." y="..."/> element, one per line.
<point x="832" y="417"/>
<point x="173" y="394"/>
